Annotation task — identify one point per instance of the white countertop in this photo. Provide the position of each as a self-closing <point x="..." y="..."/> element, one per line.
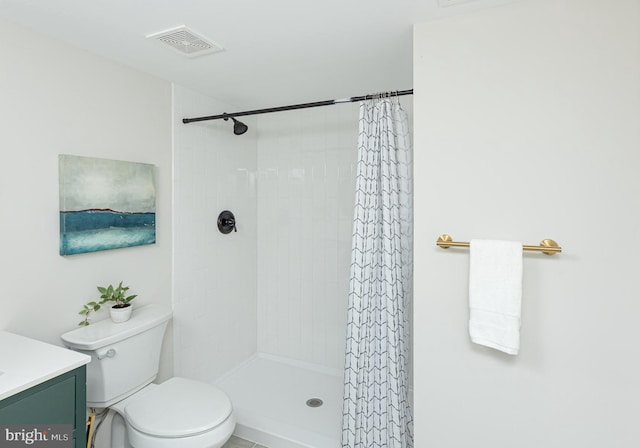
<point x="25" y="362"/>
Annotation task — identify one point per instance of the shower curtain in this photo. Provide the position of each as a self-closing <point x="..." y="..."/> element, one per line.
<point x="376" y="408"/>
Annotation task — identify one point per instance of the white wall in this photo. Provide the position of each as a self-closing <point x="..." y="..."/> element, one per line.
<point x="214" y="274"/>
<point x="527" y="123"/>
<point x="280" y="285"/>
<point x="56" y="99"/>
<point x="306" y="190"/>
<point x="306" y="193"/>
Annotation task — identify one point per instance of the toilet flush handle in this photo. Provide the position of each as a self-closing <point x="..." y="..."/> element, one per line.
<point x="110" y="353"/>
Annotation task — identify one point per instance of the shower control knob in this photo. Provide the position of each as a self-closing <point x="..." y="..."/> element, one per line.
<point x="231" y="222"/>
<point x="226" y="222"/>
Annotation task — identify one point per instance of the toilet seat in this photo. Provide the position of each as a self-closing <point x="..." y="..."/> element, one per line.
<point x="179" y="407"/>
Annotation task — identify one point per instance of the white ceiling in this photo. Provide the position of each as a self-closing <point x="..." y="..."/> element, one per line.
<point x="277" y="52"/>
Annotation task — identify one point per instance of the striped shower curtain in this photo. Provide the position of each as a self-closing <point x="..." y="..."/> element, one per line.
<point x="376" y="408"/>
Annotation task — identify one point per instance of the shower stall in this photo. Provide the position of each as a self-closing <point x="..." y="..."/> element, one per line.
<point x="262" y="311"/>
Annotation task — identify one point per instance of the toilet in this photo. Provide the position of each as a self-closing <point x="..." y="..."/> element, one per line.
<point x="178" y="413"/>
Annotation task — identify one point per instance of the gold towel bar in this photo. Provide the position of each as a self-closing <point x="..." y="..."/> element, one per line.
<point x="547" y="247"/>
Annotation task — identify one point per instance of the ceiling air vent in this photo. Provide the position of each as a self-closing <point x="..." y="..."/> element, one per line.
<point x="186" y="42"/>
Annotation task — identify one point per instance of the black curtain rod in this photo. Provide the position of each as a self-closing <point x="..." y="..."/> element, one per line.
<point x="353" y="99"/>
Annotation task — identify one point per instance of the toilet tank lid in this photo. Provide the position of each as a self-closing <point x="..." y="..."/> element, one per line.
<point x="106" y="332"/>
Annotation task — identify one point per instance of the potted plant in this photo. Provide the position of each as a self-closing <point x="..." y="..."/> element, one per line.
<point x="120" y="312"/>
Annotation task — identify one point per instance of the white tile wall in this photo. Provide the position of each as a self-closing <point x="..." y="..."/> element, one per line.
<point x="307" y="168"/>
<point x="214" y="274"/>
<point x="306" y="161"/>
<point x="280" y="285"/>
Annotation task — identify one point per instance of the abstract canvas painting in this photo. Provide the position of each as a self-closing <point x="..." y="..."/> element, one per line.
<point x="105" y="204"/>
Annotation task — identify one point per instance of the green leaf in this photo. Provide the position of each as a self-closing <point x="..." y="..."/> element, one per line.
<point x="83" y="312"/>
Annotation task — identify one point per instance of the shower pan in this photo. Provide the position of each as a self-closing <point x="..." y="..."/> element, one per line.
<point x="276" y="402"/>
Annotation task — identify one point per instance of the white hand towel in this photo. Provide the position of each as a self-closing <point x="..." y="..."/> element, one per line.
<point x="495" y="294"/>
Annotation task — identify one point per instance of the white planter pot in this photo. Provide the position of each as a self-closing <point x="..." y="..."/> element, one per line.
<point x="120" y="314"/>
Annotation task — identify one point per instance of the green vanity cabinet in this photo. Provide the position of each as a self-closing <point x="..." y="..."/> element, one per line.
<point x="60" y="400"/>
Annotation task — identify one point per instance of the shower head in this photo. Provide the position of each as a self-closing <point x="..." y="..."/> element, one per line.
<point x="239" y="127"/>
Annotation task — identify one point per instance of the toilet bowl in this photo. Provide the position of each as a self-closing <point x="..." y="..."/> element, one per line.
<point x="178" y="413"/>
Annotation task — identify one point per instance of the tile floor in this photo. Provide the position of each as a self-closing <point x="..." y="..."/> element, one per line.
<point x="237" y="442"/>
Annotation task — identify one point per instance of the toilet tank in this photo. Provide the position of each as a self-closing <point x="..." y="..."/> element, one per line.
<point x="125" y="356"/>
